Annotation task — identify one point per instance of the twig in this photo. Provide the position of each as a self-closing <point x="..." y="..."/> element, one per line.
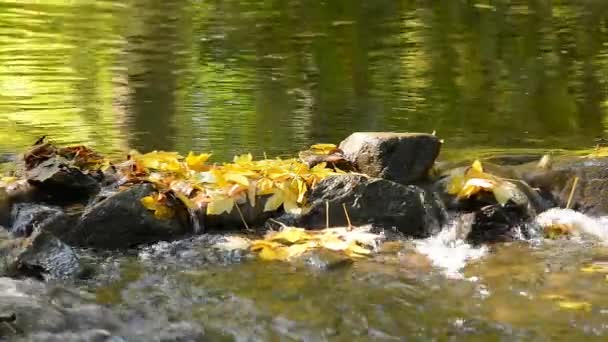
<point x="350" y="226"/>
<point x="283" y="225"/>
<point x="242" y="217"/>
<point x="327" y="214"/>
<point x="572" y="192"/>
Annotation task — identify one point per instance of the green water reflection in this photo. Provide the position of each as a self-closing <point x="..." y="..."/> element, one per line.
<point x="274" y="76"/>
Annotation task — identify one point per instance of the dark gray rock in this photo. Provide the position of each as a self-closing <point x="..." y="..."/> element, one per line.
<point x="121" y="221"/>
<point x="58" y="182"/>
<point x="5" y="208"/>
<point x="401" y="157"/>
<point x="41" y="256"/>
<point x="555" y="182"/>
<point x="497" y="223"/>
<point x="26" y="217"/>
<point x="254" y="216"/>
<point x="410" y="209"/>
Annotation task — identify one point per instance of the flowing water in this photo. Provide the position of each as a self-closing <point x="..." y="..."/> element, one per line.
<point x="233" y="76"/>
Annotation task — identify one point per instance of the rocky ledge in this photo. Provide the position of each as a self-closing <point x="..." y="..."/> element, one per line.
<point x="65" y="200"/>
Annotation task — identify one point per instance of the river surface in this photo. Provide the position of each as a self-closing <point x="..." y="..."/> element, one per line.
<point x="233" y="76"/>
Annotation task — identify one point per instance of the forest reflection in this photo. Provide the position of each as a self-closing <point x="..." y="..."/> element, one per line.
<point x="273" y="76"/>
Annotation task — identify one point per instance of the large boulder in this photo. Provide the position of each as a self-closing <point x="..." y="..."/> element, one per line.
<point x="254" y="216"/>
<point x="556" y="181"/>
<point x="40" y="255"/>
<point x="121" y="221"/>
<point x="409" y="209"/>
<point x="401" y="157"/>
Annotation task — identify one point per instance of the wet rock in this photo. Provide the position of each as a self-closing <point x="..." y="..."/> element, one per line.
<point x="26" y="217"/>
<point x="324" y="260"/>
<point x="409" y="209"/>
<point x="556" y="181"/>
<point x="41" y="256"/>
<point x="254" y="216"/>
<point x="5" y="208"/>
<point x="401" y="157"/>
<point x="121" y="221"/>
<point x="334" y="159"/>
<point x="497" y="223"/>
<point x="59" y="182"/>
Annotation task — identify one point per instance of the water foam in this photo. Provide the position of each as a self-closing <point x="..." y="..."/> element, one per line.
<point x="578" y="222"/>
<point x="448" y="250"/>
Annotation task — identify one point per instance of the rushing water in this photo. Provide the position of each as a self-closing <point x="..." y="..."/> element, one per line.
<point x="230" y="76"/>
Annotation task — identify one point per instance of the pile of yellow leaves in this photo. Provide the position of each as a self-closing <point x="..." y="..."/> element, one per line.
<point x="218" y="188"/>
<point x="474" y="180"/>
<point x="292" y="242"/>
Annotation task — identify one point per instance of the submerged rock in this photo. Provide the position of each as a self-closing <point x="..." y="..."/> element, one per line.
<point x="556" y="182"/>
<point x="26" y="217"/>
<point x="410" y="209"/>
<point x="498" y="223"/>
<point x="121" y="221"/>
<point x="41" y="256"/>
<point x="401" y="157"/>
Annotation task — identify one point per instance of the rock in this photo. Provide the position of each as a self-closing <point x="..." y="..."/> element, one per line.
<point x="26" y="217"/>
<point x="60" y="182"/>
<point x="5" y="208"/>
<point x="401" y="157"/>
<point x="335" y="159"/>
<point x="383" y="203"/>
<point x="121" y="221"/>
<point x="41" y="256"/>
<point x="555" y="182"/>
<point x="497" y="223"/>
<point x="254" y="216"/>
<point x="324" y="260"/>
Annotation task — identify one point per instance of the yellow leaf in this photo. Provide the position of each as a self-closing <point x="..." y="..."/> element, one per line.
<point x="164" y="213"/>
<point x="161" y="211"/>
<point x="219" y="206"/>
<point x="474" y="185"/>
<point x="301" y="191"/>
<point x="265" y="186"/>
<point x="296" y="250"/>
<point x="574" y="305"/>
<point x="476" y="166"/>
<point x="323" y="148"/>
<point x="197" y="163"/>
<point x="456" y="184"/>
<point x="290" y="235"/>
<point x="237" y="178"/>
<point x="160" y="160"/>
<point x="251" y="193"/>
<point x="243" y="159"/>
<point x="185" y="200"/>
<point x="274" y="202"/>
<point x="355" y="250"/>
<point x="599" y="267"/>
<point x="504" y="191"/>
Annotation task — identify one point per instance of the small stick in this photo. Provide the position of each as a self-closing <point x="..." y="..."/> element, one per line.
<point x="572" y="192"/>
<point x="350" y="226"/>
<point x="242" y="217"/>
<point x="327" y="214"/>
<point x="283" y="225"/>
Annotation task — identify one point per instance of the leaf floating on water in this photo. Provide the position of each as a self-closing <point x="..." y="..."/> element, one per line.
<point x="556" y="230"/>
<point x="596" y="267"/>
<point x="291" y="242"/>
<point x="574" y="305"/>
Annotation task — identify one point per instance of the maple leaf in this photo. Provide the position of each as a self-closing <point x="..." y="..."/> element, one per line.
<point x="197" y="163"/>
